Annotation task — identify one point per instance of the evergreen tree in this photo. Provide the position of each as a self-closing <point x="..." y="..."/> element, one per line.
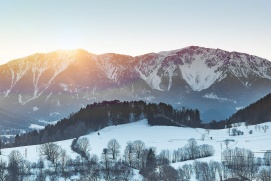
<point x="151" y="164"/>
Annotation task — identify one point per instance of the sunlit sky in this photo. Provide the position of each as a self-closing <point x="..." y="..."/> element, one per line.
<point x="133" y="27"/>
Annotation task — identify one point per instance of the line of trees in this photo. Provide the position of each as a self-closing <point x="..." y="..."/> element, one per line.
<point x="241" y="162"/>
<point x="54" y="163"/>
<point x="164" y="114"/>
<point x="190" y="151"/>
<point x="99" y="115"/>
<point x="256" y="113"/>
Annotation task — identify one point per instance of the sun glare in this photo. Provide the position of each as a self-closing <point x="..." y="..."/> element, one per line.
<point x="70" y="39"/>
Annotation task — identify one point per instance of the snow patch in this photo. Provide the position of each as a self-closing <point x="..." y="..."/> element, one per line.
<point x="48" y="96"/>
<point x="238" y="108"/>
<point x="111" y="67"/>
<point x="64" y="86"/>
<point x="212" y="95"/>
<point x="53" y="114"/>
<point x="35" y="126"/>
<point x="48" y="122"/>
<point x="20" y="99"/>
<point x="35" y="109"/>
<point x="170" y="71"/>
<point x="149" y="72"/>
<point x="198" y="75"/>
<point x="38" y="67"/>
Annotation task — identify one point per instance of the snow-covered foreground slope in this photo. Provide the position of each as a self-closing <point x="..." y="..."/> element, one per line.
<point x="162" y="137"/>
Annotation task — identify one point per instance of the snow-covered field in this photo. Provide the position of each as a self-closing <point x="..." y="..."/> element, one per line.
<point x="162" y="137"/>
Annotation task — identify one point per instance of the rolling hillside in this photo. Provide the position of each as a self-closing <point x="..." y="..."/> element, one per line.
<point x="172" y="139"/>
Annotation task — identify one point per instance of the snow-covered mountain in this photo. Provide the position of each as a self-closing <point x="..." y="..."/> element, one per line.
<point x="46" y="87"/>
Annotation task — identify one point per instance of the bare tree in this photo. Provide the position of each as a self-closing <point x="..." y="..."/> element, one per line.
<point x="219" y="167"/>
<point x="264" y="174"/>
<point x="234" y="131"/>
<point x="229" y="131"/>
<point x="215" y="168"/>
<point x="50" y="151"/>
<point x="203" y="137"/>
<point x="15" y="161"/>
<point x="206" y="150"/>
<point x="246" y="124"/>
<point x="25" y="169"/>
<point x="84" y="145"/>
<point x="183" y="154"/>
<point x="129" y="153"/>
<point x="181" y="174"/>
<point x="123" y="172"/>
<point x="113" y="148"/>
<point x="267" y="158"/>
<point x="93" y="171"/>
<point x="240" y="161"/>
<point x="187" y="171"/>
<point x="139" y="147"/>
<point x="41" y="176"/>
<point x="196" y="166"/>
<point x="106" y="159"/>
<point x="165" y="154"/>
<point x="226" y="142"/>
<point x="192" y="148"/>
<point x="3" y="173"/>
<point x="265" y="127"/>
<point x="175" y="156"/>
<point x="205" y="172"/>
<point x="107" y="170"/>
<point x="143" y="158"/>
<point x="64" y="158"/>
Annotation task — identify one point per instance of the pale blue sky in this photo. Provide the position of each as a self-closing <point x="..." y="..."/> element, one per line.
<point x="133" y="27"/>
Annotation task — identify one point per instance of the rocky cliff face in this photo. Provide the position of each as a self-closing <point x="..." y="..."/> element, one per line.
<point x="46" y="87"/>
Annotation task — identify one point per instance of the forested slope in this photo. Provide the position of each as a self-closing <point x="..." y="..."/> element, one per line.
<point x="99" y="115"/>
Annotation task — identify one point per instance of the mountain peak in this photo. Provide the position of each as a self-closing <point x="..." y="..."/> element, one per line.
<point x="60" y="82"/>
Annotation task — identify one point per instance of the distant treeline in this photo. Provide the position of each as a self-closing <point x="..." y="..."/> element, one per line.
<point x="256" y="113"/>
<point x="99" y="115"/>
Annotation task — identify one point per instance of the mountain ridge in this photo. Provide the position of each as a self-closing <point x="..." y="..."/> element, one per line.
<point x="60" y="82"/>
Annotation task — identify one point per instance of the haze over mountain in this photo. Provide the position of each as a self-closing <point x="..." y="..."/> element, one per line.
<point x="49" y="86"/>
